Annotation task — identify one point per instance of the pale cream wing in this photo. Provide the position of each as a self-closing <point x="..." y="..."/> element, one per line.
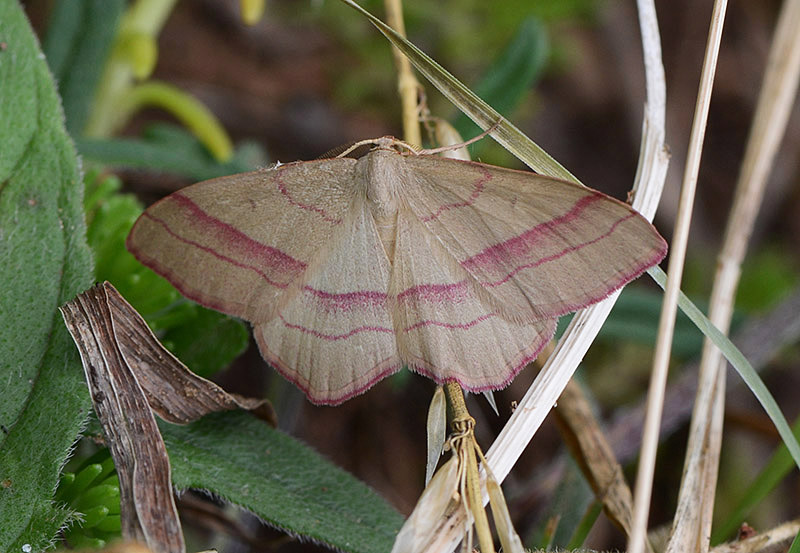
<point x="334" y="339"/>
<point x="538" y="247"/>
<point x="238" y="243"/>
<point x="444" y="329"/>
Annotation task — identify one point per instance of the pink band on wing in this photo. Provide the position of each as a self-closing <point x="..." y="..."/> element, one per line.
<point x="520" y="246"/>
<point x="235" y="240"/>
<point x="334" y="337"/>
<point x="213" y="252"/>
<point x="449" y="326"/>
<point x="456" y="292"/>
<point x="346" y="301"/>
<point x="558" y="255"/>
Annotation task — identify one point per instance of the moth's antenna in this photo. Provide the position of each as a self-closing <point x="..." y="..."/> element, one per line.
<point x="472" y="140"/>
<point x="382" y="142"/>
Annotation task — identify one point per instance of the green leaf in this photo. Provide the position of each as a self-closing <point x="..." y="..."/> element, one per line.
<point x="635" y="319"/>
<point x="209" y="342"/>
<point x="44" y="261"/>
<point x="511" y="75"/>
<point x="170" y="149"/>
<point x="795" y="547"/>
<point x="79" y="38"/>
<point x="767" y="278"/>
<point x="572" y="497"/>
<point x="284" y="482"/>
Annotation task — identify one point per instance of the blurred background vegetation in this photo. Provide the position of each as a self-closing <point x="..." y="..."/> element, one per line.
<point x="312" y="75"/>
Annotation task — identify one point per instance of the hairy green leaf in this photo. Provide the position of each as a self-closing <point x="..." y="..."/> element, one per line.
<point x="284" y="482"/>
<point x="44" y="261"/>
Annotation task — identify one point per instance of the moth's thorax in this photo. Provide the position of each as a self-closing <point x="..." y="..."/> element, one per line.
<point x="384" y="174"/>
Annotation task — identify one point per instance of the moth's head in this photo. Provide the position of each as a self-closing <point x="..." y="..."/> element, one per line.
<point x="393" y="144"/>
<point x="357" y="150"/>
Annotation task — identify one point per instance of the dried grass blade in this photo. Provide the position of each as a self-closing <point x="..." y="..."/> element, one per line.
<point x="437" y="431"/>
<point x="669" y="309"/>
<point x="769" y="123"/>
<point x="433" y="510"/>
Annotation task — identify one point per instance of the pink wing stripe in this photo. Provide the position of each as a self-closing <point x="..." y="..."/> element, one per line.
<point x="347" y="300"/>
<point x="214" y="253"/>
<point x="334" y="337"/>
<point x="516" y="247"/>
<point x="438" y="293"/>
<point x="301" y="205"/>
<point x="455" y="292"/>
<point x="235" y="238"/>
<point x="478" y="189"/>
<point x="450" y="326"/>
<point x="559" y="254"/>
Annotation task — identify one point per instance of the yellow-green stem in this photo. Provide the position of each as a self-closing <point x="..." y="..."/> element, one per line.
<point x="463" y="431"/>
<point x="407" y="85"/>
<point x="187" y="109"/>
<point x="455" y="395"/>
<point x="144" y="18"/>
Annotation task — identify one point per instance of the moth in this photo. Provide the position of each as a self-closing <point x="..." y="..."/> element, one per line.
<point x="350" y="269"/>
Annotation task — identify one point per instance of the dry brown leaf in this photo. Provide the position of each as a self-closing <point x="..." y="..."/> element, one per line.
<point x="147" y="507"/>
<point x="174" y="392"/>
<point x="130" y="375"/>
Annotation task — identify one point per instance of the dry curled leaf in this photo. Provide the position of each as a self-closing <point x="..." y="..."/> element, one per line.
<point x="130" y="375"/>
<point x="147" y="507"/>
<point x="174" y="392"/>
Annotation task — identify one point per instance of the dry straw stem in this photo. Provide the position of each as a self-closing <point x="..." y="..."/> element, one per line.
<point x="644" y="478"/>
<point x="550" y="382"/>
<point x="592" y="451"/>
<point x="407" y="84"/>
<point x="770" y="541"/>
<point x="692" y="526"/>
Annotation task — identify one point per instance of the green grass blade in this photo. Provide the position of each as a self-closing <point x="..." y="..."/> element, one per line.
<point x="776" y="469"/>
<point x="795" y="548"/>
<point x="512" y="73"/>
<point x="170" y="149"/>
<point x="512" y="139"/>
<point x="739" y="362"/>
